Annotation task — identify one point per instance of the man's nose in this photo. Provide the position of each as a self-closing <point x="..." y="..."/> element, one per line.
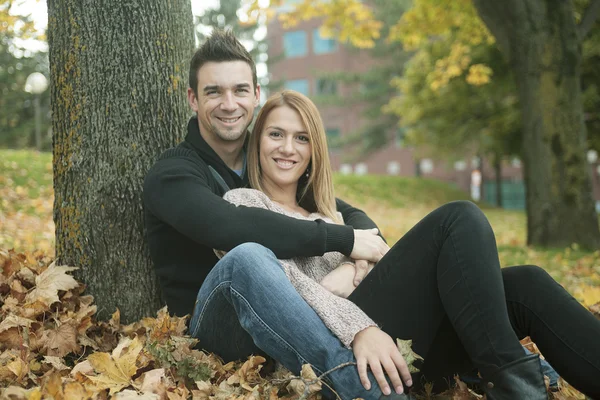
<point x="228" y="102"/>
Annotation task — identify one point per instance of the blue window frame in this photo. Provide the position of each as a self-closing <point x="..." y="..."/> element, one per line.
<point x="323" y="45"/>
<point x="299" y="85"/>
<point x="294" y="44"/>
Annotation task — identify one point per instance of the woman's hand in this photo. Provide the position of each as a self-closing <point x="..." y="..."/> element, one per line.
<point x="374" y="348"/>
<point x="362" y="269"/>
<point x="340" y="280"/>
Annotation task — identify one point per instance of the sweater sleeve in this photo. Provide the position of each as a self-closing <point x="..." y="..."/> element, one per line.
<point x="177" y="191"/>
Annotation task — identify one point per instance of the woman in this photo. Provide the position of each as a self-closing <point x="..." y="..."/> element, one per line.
<point x="440" y="285"/>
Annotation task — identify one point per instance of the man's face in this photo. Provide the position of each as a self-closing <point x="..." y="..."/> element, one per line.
<point x="225" y="102"/>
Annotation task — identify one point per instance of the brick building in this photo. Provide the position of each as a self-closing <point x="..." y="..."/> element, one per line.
<point x="304" y="54"/>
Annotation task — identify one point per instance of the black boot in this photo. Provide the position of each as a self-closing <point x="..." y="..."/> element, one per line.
<point x="521" y="379"/>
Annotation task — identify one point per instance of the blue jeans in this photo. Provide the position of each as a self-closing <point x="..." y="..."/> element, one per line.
<point x="248" y="299"/>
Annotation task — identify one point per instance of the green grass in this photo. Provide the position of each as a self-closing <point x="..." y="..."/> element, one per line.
<point x="29" y="170"/>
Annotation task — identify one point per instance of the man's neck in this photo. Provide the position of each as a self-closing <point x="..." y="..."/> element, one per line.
<point x="230" y="152"/>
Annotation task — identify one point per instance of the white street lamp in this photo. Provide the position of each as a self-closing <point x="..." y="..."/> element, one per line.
<point x="36" y="84"/>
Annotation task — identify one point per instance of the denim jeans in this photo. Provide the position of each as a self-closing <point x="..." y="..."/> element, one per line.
<point x="440" y="285"/>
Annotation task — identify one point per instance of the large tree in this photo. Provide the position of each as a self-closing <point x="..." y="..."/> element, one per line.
<point x="118" y="81"/>
<point x="543" y="44"/>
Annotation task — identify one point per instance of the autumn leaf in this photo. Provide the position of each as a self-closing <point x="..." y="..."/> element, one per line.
<point x="49" y="282"/>
<point x="115" y="370"/>
<point x="405" y="348"/>
<point x="60" y="341"/>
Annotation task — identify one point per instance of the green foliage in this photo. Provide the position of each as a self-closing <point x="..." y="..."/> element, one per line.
<point x="458" y="115"/>
<point x="185" y="365"/>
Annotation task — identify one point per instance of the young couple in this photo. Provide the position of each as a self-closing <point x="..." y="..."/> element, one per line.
<point x="297" y="282"/>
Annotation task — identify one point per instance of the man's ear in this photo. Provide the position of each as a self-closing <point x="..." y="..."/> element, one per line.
<point x="192" y="99"/>
<point x="257" y="96"/>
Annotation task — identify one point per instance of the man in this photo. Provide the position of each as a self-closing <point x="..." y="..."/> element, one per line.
<point x="245" y="304"/>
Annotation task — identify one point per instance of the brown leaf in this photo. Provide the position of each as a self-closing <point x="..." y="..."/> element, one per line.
<point x="60" y="341"/>
<point x="49" y="282"/>
<point x="52" y="387"/>
<point x="55" y="362"/>
<point x="154" y="382"/>
<point x="595" y="309"/>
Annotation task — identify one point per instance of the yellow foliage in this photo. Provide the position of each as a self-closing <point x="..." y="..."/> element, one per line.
<point x="479" y="74"/>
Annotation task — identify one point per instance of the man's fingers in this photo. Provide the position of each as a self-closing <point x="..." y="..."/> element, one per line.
<point x="379" y="376"/>
<point x="402" y="368"/>
<point x="361" y="364"/>
<point x="392" y="373"/>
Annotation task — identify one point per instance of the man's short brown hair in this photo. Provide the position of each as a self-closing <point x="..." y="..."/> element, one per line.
<point x="221" y="46"/>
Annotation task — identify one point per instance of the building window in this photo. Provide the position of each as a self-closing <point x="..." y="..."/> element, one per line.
<point x="326" y="87"/>
<point x="323" y="45"/>
<point x="294" y="44"/>
<point x="299" y="85"/>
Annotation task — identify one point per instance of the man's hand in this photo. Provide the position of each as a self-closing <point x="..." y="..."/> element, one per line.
<point x="362" y="268"/>
<point x="368" y="246"/>
<point x="339" y="281"/>
<point x="374" y="348"/>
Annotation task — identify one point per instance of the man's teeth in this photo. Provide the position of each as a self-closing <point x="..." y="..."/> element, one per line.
<point x="229" y="120"/>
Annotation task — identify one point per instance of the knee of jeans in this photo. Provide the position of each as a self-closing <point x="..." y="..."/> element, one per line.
<point x="463" y="208"/>
<point x="526" y="277"/>
<point x="254" y="258"/>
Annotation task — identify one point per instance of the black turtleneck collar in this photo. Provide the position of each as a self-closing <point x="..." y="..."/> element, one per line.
<point x="195" y="139"/>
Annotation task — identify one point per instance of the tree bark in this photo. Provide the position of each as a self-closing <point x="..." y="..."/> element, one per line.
<point x="118" y="82"/>
<point x="541" y="41"/>
<point x="498" y="176"/>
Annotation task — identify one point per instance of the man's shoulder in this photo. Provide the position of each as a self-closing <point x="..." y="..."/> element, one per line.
<point x="180" y="155"/>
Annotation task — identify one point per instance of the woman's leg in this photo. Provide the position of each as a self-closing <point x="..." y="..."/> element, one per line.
<point x="444" y="271"/>
<point x="566" y="333"/>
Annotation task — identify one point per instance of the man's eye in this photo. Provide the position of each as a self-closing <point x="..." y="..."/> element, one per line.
<point x="211" y="92"/>
<point x="243" y="90"/>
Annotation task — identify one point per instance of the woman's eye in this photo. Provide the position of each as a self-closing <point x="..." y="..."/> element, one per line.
<point x="275" y="134"/>
<point x="303" y="138"/>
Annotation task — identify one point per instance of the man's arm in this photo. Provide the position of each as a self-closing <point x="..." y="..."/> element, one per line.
<point x="354" y="217"/>
<point x="177" y="192"/>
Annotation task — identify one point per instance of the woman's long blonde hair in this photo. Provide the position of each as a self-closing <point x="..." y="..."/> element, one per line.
<point x="316" y="193"/>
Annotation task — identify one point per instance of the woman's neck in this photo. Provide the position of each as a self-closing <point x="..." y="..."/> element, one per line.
<point x="286" y="197"/>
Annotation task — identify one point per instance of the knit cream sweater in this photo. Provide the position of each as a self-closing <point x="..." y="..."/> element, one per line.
<point x="341" y="316"/>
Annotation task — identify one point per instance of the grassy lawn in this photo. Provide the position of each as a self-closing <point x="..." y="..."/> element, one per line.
<point x="395" y="203"/>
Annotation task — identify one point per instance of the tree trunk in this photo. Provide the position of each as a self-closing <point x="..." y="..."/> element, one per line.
<point x="540" y="38"/>
<point x="498" y="176"/>
<point x="118" y="82"/>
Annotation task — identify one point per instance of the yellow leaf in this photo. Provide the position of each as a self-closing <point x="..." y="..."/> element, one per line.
<point x="49" y="282"/>
<point x="115" y="371"/>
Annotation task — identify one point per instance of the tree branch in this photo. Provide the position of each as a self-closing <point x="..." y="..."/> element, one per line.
<point x="589" y="18"/>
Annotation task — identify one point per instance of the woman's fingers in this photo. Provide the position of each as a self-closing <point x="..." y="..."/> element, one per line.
<point x="392" y="373"/>
<point x="377" y="371"/>
<point x="402" y="367"/>
<point x="361" y="364"/>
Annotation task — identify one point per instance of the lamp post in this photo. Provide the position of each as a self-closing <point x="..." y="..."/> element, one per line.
<point x="36" y="84"/>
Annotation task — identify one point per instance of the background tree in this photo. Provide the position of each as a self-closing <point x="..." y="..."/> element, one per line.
<point x="16" y="63"/>
<point x="543" y="45"/>
<point x="118" y="83"/>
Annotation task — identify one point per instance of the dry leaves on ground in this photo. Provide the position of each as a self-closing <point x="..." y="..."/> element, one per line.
<point x="52" y="347"/>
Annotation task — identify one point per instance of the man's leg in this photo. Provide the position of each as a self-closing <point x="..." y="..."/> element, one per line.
<point x="249" y="286"/>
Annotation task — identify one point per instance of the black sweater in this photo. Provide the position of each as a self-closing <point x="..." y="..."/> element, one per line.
<point x="186" y="218"/>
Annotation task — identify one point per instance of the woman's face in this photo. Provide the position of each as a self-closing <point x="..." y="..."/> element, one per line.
<point x="285" y="148"/>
